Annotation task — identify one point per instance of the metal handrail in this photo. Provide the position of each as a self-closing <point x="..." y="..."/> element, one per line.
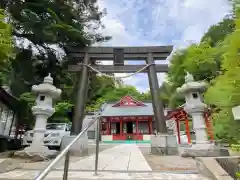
<point x="64" y="152"/>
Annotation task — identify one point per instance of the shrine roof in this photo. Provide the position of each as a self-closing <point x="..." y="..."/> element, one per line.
<point x="146" y="110"/>
<point x="128" y="106"/>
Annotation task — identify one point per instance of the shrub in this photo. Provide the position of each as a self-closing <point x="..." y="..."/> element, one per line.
<point x="238" y="175"/>
<point x="235" y="147"/>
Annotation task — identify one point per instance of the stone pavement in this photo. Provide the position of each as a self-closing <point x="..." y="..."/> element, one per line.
<point x="57" y="175"/>
<point x="126" y="157"/>
<point x="2" y="159"/>
<point x="121" y="162"/>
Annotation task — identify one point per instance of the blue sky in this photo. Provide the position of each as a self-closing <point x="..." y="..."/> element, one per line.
<point x="158" y="22"/>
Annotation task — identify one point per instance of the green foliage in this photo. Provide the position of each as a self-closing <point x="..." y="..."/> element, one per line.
<point x="235" y="147"/>
<point x="5" y="38"/>
<point x="202" y="60"/>
<point x="48" y="25"/>
<point x="61" y="108"/>
<point x="29" y="98"/>
<point x="177" y="68"/>
<point x="114" y="94"/>
<point x="218" y="32"/>
<point x="56" y="22"/>
<point x="238" y="175"/>
<point x="227" y="86"/>
<point x="6" y="47"/>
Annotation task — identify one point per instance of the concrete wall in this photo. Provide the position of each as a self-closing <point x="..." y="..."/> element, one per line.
<point x="107" y="137"/>
<point x="147" y="137"/>
<point x="91" y="134"/>
<point x="87" y="119"/>
<point x="80" y="148"/>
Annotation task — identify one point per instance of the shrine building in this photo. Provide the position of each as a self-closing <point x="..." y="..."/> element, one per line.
<point x="127" y="119"/>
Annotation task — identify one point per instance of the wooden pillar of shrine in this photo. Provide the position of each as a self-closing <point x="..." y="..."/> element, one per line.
<point x="137" y="128"/>
<point x="121" y="127"/>
<point x="108" y="126"/>
<point x="150" y="126"/>
<point x="209" y="127"/>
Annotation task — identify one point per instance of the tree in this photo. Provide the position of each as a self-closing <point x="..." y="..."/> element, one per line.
<point x="114" y="94"/>
<point x="202" y="60"/>
<point x="6" y="47"/>
<point x="47" y="25"/>
<point x="227" y="86"/>
<point x="218" y="32"/>
<point x="50" y="27"/>
<point x="61" y="110"/>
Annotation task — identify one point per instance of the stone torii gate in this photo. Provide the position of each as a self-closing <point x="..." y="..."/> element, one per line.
<point x="118" y="54"/>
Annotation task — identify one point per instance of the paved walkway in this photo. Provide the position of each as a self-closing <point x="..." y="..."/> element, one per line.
<point x="2" y="159"/>
<point x="126" y="157"/>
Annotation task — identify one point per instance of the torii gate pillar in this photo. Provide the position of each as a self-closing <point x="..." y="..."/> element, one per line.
<point x="81" y="98"/>
<point x="157" y="104"/>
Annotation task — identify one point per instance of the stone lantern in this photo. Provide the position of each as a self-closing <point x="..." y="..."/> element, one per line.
<point x="42" y="110"/>
<point x="195" y="107"/>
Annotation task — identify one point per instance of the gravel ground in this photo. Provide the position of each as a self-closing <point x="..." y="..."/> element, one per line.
<point x="168" y="163"/>
<point x="171" y="162"/>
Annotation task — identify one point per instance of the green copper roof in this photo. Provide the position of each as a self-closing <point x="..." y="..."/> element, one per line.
<point x="128" y="110"/>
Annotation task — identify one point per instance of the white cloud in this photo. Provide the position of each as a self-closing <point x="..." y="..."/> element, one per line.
<point x="159" y="22"/>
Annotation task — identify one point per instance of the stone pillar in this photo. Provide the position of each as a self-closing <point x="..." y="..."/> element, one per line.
<point x="196" y="109"/>
<point x="157" y="104"/>
<point x="200" y="127"/>
<point x="81" y="98"/>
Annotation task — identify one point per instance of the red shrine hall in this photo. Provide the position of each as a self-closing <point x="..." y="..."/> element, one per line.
<point x="130" y="119"/>
<point x="127" y="119"/>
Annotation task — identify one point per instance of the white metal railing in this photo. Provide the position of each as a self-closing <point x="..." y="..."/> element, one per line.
<point x="65" y="152"/>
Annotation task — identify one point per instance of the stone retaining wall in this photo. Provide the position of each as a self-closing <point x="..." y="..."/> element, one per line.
<point x="209" y="167"/>
<point x="230" y="165"/>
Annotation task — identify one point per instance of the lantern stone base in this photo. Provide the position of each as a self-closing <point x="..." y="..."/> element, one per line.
<point x="80" y="148"/>
<point x="36" y="153"/>
<point x="164" y="144"/>
<point x="205" y="150"/>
